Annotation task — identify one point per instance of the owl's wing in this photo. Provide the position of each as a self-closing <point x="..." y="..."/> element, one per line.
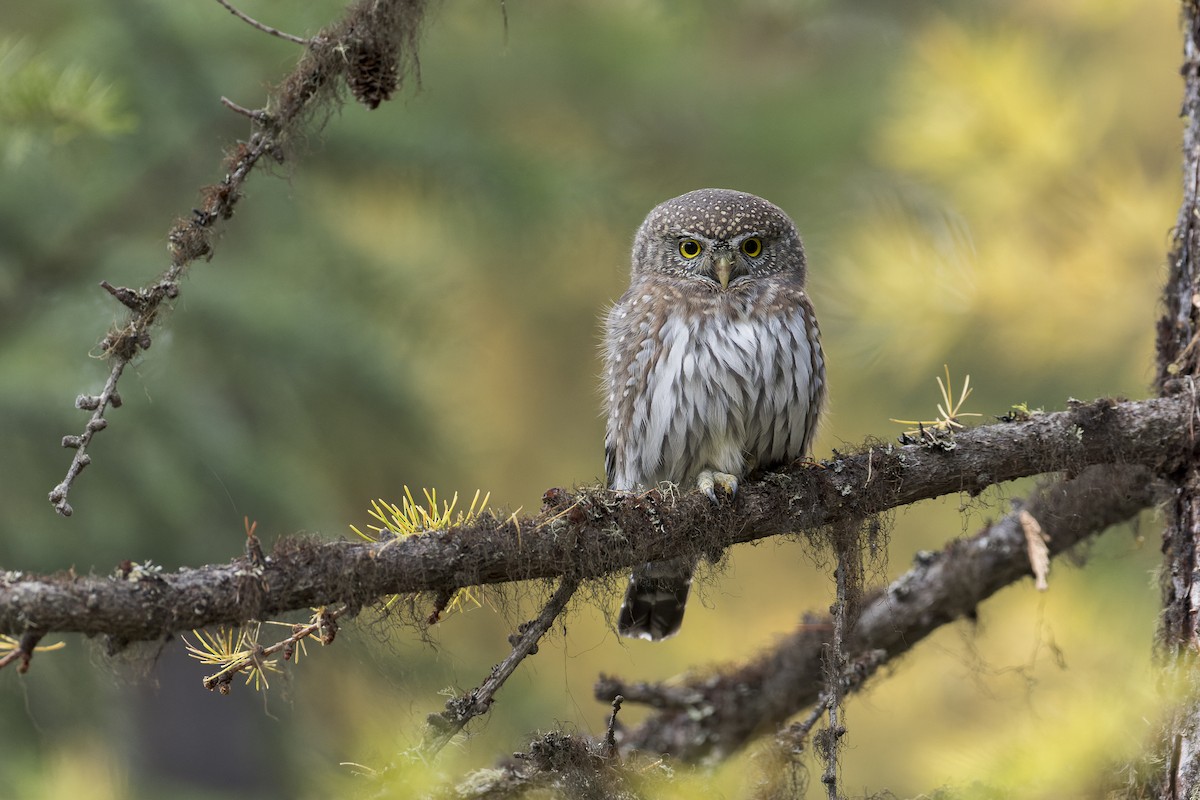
<point x="787" y="400"/>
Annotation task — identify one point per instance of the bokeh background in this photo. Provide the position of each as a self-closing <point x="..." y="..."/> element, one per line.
<point x="414" y="300"/>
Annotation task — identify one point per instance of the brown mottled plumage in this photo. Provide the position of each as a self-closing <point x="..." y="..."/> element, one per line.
<point x="713" y="366"/>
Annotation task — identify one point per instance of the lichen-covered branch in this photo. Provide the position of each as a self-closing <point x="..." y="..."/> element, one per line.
<point x="1178" y="370"/>
<point x="710" y="717"/>
<point x="1179" y="327"/>
<point x="558" y="764"/>
<point x="594" y="532"/>
<point x="371" y="50"/>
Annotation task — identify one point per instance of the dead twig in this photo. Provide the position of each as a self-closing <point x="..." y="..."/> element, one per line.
<point x="246" y="18"/>
<point x="835" y="665"/>
<point x="97" y="404"/>
<point x="462" y="709"/>
<point x="258" y="115"/>
<point x="380" y="37"/>
<point x="610" y="735"/>
<point x="23" y="652"/>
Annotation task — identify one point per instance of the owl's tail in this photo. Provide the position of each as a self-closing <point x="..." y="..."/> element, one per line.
<point x="655" y="600"/>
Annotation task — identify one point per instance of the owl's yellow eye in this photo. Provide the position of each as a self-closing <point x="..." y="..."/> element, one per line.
<point x="752" y="247"/>
<point x="689" y="248"/>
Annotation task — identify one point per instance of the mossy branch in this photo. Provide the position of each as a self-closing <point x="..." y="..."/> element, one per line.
<point x="594" y="532"/>
<point x="710" y="717"/>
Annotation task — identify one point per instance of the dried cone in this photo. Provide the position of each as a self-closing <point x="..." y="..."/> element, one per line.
<point x="374" y="73"/>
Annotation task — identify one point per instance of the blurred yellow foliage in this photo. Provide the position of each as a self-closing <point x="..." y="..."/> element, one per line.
<point x="982" y="112"/>
<point x="1014" y="220"/>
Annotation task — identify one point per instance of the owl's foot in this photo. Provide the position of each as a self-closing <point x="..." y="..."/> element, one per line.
<point x="709" y="480"/>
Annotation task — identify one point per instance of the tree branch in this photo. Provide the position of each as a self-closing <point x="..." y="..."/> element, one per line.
<point x="1178" y="344"/>
<point x="595" y="532"/>
<point x="711" y="717"/>
<point x="371" y="48"/>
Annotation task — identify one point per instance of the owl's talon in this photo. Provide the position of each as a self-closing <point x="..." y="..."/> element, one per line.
<point x="709" y="480"/>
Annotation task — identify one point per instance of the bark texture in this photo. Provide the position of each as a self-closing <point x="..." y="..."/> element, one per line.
<point x="592" y="533"/>
<point x="709" y="718"/>
<point x="1178" y="358"/>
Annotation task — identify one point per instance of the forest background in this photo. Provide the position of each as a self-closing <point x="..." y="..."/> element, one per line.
<point x="416" y="302"/>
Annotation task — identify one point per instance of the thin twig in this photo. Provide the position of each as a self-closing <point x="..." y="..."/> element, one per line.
<point x="783" y="756"/>
<point x="99" y="404"/>
<point x="610" y="735"/>
<point x="264" y="28"/>
<point x="23" y="652"/>
<point x="853" y="678"/>
<point x="257" y="115"/>
<point x="323" y="627"/>
<point x="794" y="735"/>
<point x="462" y="709"/>
<point x="835" y="667"/>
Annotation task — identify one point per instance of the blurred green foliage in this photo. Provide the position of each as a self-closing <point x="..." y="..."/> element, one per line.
<point x="413" y="299"/>
<point x="39" y="101"/>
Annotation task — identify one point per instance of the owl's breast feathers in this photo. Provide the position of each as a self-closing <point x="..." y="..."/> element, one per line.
<point x="709" y="380"/>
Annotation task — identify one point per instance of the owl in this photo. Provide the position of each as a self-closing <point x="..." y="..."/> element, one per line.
<point x="713" y="366"/>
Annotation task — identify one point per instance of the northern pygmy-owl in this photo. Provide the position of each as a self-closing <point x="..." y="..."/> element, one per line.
<point x="713" y="366"/>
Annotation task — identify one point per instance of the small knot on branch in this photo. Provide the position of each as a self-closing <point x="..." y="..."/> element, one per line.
<point x="134" y="300"/>
<point x="58" y="498"/>
<point x="610" y="735"/>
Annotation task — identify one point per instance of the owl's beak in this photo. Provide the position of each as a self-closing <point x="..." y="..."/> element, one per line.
<point x="724" y="268"/>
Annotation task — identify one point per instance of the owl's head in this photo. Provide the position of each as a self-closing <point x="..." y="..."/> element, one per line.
<point x="721" y="237"/>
